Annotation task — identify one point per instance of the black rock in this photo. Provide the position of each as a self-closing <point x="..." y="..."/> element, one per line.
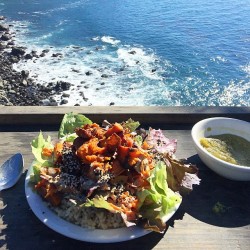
<point x="25" y="73"/>
<point x="88" y="73"/>
<point x="14" y="59"/>
<point x="4" y="27"/>
<point x="61" y="86"/>
<point x="28" y="56"/>
<point x="5" y="37"/>
<point x="45" y="51"/>
<point x="57" y="54"/>
<point x="18" y="51"/>
<point x="75" y="70"/>
<point x="11" y="43"/>
<point x="104" y="76"/>
<point x="16" y="88"/>
<point x="2" y="47"/>
<point x="132" y="52"/>
<point x="53" y="104"/>
<point x="64" y="101"/>
<point x="65" y="95"/>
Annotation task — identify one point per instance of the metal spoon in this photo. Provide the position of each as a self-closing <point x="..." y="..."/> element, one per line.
<point x="11" y="171"/>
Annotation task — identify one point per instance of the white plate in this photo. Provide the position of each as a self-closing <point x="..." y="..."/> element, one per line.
<point x="50" y="219"/>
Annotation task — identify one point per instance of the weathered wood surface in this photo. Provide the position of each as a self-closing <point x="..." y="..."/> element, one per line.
<point x="146" y="115"/>
<point x="195" y="225"/>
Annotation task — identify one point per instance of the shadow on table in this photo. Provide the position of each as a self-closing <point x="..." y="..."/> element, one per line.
<point x="21" y="229"/>
<point x="231" y="198"/>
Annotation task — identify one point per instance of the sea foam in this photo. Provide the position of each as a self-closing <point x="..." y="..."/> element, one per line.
<point x="104" y="73"/>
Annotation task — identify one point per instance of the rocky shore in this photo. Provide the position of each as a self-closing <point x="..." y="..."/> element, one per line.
<point x="17" y="88"/>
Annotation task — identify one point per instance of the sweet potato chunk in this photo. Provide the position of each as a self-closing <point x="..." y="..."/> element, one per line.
<point x="122" y="154"/>
<point x="113" y="142"/>
<point x="116" y="128"/>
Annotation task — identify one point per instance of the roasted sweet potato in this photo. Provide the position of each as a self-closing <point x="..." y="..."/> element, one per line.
<point x="113" y="142"/>
<point x="58" y="150"/>
<point x="116" y="128"/>
<point x="122" y="154"/>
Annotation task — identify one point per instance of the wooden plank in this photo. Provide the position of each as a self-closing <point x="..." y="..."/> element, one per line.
<point x="146" y="115"/>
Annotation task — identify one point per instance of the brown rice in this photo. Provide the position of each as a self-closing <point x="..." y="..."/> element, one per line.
<point x="88" y="217"/>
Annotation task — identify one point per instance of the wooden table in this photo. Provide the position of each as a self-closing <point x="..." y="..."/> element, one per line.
<point x="194" y="226"/>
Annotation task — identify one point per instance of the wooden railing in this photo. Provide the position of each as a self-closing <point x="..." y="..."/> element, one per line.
<point x="47" y="115"/>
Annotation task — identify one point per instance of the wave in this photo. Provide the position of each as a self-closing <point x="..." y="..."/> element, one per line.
<point x="246" y="69"/>
<point x="218" y="59"/>
<point x="104" y="71"/>
<point x="63" y="7"/>
<point x="230" y="94"/>
<point x="110" y="40"/>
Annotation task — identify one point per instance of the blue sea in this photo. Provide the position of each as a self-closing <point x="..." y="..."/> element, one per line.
<point x="152" y="53"/>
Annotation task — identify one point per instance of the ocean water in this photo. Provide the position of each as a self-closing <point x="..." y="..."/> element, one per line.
<point x="164" y="53"/>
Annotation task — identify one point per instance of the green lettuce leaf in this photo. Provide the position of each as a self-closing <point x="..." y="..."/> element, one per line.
<point x="70" y="122"/>
<point x="158" y="201"/>
<point x="138" y="139"/>
<point x="37" y="146"/>
<point x="70" y="137"/>
<point x="131" y="125"/>
<point x="35" y="175"/>
<point x="99" y="202"/>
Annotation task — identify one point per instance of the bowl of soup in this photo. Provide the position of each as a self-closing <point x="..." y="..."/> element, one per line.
<point x="223" y="144"/>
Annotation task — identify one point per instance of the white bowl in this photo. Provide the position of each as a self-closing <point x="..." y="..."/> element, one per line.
<point x="216" y="126"/>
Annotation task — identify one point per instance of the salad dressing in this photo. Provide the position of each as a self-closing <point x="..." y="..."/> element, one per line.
<point x="230" y="148"/>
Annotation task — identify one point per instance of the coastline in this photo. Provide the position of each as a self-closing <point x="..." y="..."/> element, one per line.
<point x="17" y="88"/>
<point x="73" y="75"/>
<point x="104" y="72"/>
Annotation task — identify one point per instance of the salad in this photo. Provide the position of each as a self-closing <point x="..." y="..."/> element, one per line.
<point x="118" y="168"/>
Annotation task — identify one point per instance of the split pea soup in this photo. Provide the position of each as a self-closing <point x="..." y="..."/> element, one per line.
<point x="227" y="147"/>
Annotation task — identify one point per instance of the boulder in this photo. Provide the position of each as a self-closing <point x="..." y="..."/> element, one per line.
<point x="24" y="83"/>
<point x="45" y="51"/>
<point x="57" y="55"/>
<point x="61" y="86"/>
<point x="2" y="47"/>
<point x="104" y="76"/>
<point x="64" y="101"/>
<point x="5" y="37"/>
<point x="75" y="70"/>
<point x="25" y="73"/>
<point x="88" y="73"/>
<point x="28" y="56"/>
<point x="4" y="27"/>
<point x="65" y="95"/>
<point x="11" y="43"/>
<point x="132" y="52"/>
<point x="18" y="51"/>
